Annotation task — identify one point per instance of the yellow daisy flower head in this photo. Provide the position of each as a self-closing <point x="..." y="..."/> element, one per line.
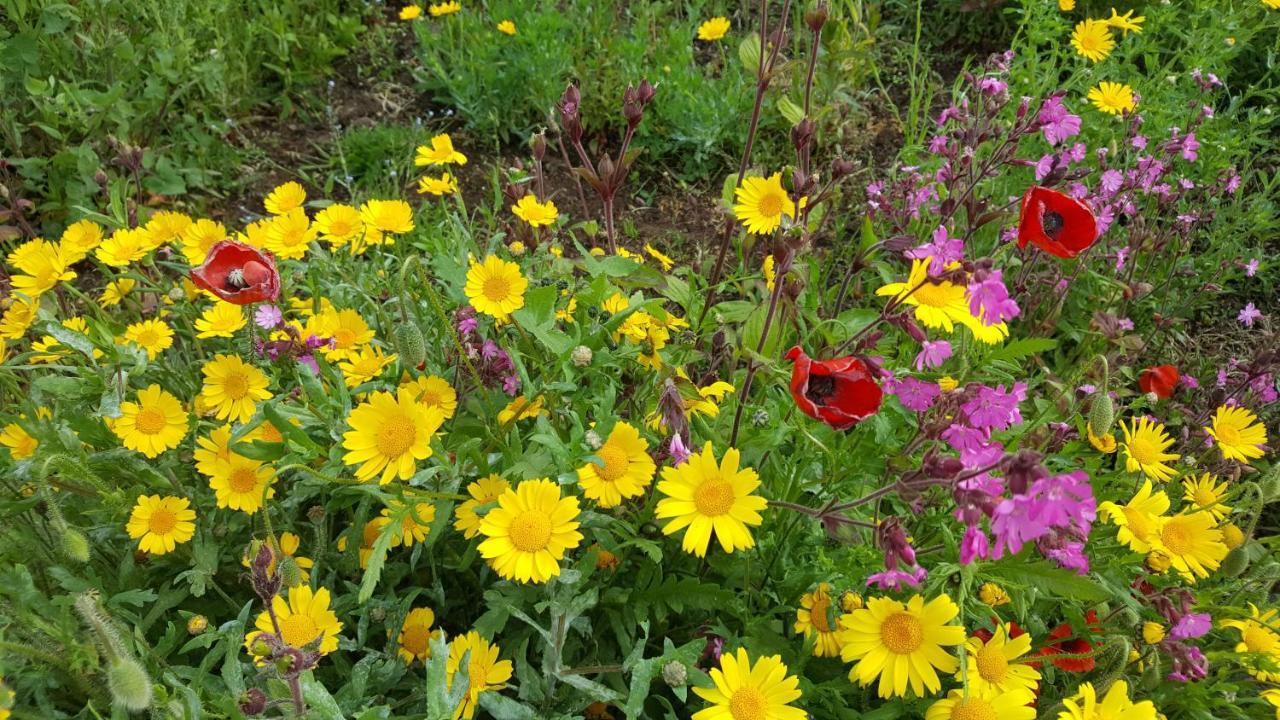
<point x="496" y="287"/>
<point x="995" y="668"/>
<point x="1152" y="633"/>
<point x="1012" y="705"/>
<point x="1144" y="448"/>
<point x="483" y="491"/>
<point x="446" y="184"/>
<point x="222" y="319"/>
<point x="714" y="29"/>
<point x="388" y="435"/>
<point x="369" y="535"/>
<point x="305" y="620"/>
<point x="1272" y="695"/>
<point x="414" y="526"/>
<point x="665" y="261"/>
<point x="125" y="246"/>
<point x="626" y="471"/>
<point x="411" y="12"/>
<point x="1066" y="5"/>
<point x="115" y="291"/>
<point x="80" y="238"/>
<point x="529" y="531"/>
<point x="1140" y="519"/>
<point x="19" y="442"/>
<point x="18" y="318"/>
<point x="1126" y="22"/>
<point x="1092" y="39"/>
<point x="1206" y="493"/>
<point x="346" y="329"/>
<point x="43" y="265"/>
<point x="702" y="497"/>
<point x="1105" y="444"/>
<point x="200" y="237"/>
<point x="445" y="8"/>
<point x="416" y="633"/>
<point x="507" y="27"/>
<point x="167" y="227"/>
<point x="233" y="388"/>
<point x="241" y="483"/>
<point x="363" y="365"/>
<point x="150" y="335"/>
<point x="434" y="391"/>
<point x="537" y="214"/>
<point x="938" y="304"/>
<point x="761" y="203"/>
<point x="902" y="644"/>
<point x="993" y="595"/>
<point x="850" y="601"/>
<point x="285" y="198"/>
<point x="521" y="408"/>
<point x="1193" y="543"/>
<point x="1238" y="433"/>
<point x="212" y="450"/>
<point x="155" y="423"/>
<point x="817" y="618"/>
<point x="338" y="224"/>
<point x="1113" y="98"/>
<point x="770" y="273"/>
<point x="485" y="672"/>
<point x="746" y="690"/>
<point x="289" y="235"/>
<point x="393" y="217"/>
<point x="1274" y="5"/>
<point x="440" y="152"/>
<point x="1258" y="642"/>
<point x="160" y="524"/>
<point x="1087" y="705"/>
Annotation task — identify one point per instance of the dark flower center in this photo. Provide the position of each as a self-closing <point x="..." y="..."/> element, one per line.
<point x="820" y="388"/>
<point x="1052" y="223"/>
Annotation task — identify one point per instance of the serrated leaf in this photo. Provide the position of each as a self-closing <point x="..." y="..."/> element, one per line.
<point x="1050" y="580"/>
<point x="1023" y="347"/>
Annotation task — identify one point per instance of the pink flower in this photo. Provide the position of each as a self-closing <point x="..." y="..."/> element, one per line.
<point x="268" y="316"/>
<point x="895" y="579"/>
<point x="1249" y="315"/>
<point x="940" y="252"/>
<point x="1056" y="122"/>
<point x="1110" y="181"/>
<point x="1252" y="268"/>
<point x="989" y="298"/>
<point x="974" y="545"/>
<point x="679" y="453"/>
<point x="1192" y="625"/>
<point x="932" y="354"/>
<point x="915" y="395"/>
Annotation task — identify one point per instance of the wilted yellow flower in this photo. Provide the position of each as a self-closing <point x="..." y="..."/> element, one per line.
<point x="446" y="184"/>
<point x="1126" y="22"/>
<point x="993" y="595"/>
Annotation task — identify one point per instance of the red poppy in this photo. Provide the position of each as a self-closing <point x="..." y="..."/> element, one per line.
<point x="1058" y="224"/>
<point x="838" y="392"/>
<point x="1161" y="380"/>
<point x="238" y="273"/>
<point x="1068" y="645"/>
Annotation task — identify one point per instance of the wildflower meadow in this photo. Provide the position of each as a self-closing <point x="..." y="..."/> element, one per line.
<point x="664" y="359"/>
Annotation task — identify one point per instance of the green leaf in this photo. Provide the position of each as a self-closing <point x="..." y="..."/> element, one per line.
<point x="749" y="53"/>
<point x="791" y="111"/>
<point x="71" y="339"/>
<point x="378" y="554"/>
<point x="539" y="308"/>
<point x="502" y="707"/>
<point x="1023" y="347"/>
<point x="320" y="704"/>
<point x="1050" y="580"/>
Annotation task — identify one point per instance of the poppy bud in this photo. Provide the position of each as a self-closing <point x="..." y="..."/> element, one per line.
<point x="1056" y="223"/>
<point x="74" y="545"/>
<point x="1235" y="563"/>
<point x="129" y="684"/>
<point x="1160" y="380"/>
<point x="410" y="344"/>
<point x="290" y="573"/>
<point x="1102" y="413"/>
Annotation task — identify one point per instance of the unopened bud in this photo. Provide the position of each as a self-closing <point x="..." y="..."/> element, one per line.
<point x="675" y="674"/>
<point x="841" y="168"/>
<point x="197" y="624"/>
<point x="290" y="573"/>
<point x="74" y="545"/>
<point x="129" y="684"/>
<point x="1102" y="413"/>
<point x="410" y="344"/>
<point x="253" y="702"/>
<point x="581" y="356"/>
<point x="1232" y="536"/>
<point x="316" y="513"/>
<point x="1235" y="563"/>
<point x="593" y="440"/>
<point x="176" y="293"/>
<point x="816" y="17"/>
<point x="539" y="145"/>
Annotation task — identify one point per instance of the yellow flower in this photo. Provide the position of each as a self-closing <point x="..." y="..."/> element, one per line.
<point x="388" y="435"/>
<point x="411" y="12"/>
<point x="770" y="275"/>
<point x="1232" y="536"/>
<point x="626" y="471"/>
<point x="1066" y="5"/>
<point x="506" y="27"/>
<point x="393" y="217"/>
<point x="1259" y="641"/>
<point x="947" y="383"/>
<point x="1105" y="444"/>
<point x="20" y="443"/>
<point x="445" y="8"/>
<point x="167" y="227"/>
<point x="1271" y="695"/>
<point x="80" y="238"/>
<point x="1086" y="705"/>
<point x="125" y="246"/>
<point x="18" y="318"/>
<point x="414" y="526"/>
<point x="742" y="690"/>
<point x="1113" y="98"/>
<point x="363" y="365"/>
<point x="761" y="203"/>
<point x="1140" y="519"/>
<point x="446" y="184"/>
<point x="233" y="387"/>
<point x="850" y="601"/>
<point x="240" y="483"/>
<point x="994" y="668"/>
<point x="150" y="335"/>
<point x="713" y="29"/>
<point x="1092" y="39"/>
<point x="496" y="287"/>
<point x="537" y="214"/>
<point x="485" y="672"/>
<point x="369" y="535"/>
<point x="44" y="265"/>
<point x="483" y="491"/>
<point x="199" y="238"/>
<point x="1274" y="5"/>
<point x="338" y="224"/>
<point x="816" y="618"/>
<point x="529" y="531"/>
<point x="160" y="524"/>
<point x="441" y="152"/>
<point x="304" y="618"/>
<point x="1238" y="433"/>
<point x="153" y="424"/>
<point x="707" y="497"/>
<point x="222" y="319"/>
<point x="666" y="262"/>
<point x="1193" y="544"/>
<point x="993" y="595"/>
<point x="937" y="304"/>
<point x="213" y="449"/>
<point x="285" y="199"/>
<point x="346" y="328"/>
<point x="1144" y="448"/>
<point x="1012" y="705"/>
<point x="521" y="409"/>
<point x="1152" y="633"/>
<point x="516" y="248"/>
<point x="901" y="644"/>
<point x="1206" y="493"/>
<point x="1126" y="22"/>
<point x="289" y="234"/>
<point x="416" y="634"/>
<point x="434" y="391"/>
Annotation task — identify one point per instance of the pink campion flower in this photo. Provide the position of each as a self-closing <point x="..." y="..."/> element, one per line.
<point x="1249" y="315"/>
<point x="989" y="299"/>
<point x="1056" y="122"/>
<point x="1067" y="552"/>
<point x="1078" y="190"/>
<point x="1045" y="165"/>
<point x="1251" y="268"/>
<point x="1233" y="182"/>
<point x="896" y="579"/>
<point x="1106" y="215"/>
<point x="932" y="354"/>
<point x="679" y="453"/>
<point x="941" y="251"/>
<point x="1063" y="503"/>
<point x="1076" y="153"/>
<point x="1121" y="256"/>
<point x="1222" y="377"/>
<point x="915" y="395"/>
<point x="268" y="316"/>
<point x="992" y="86"/>
<point x="1110" y="181"/>
<point x="975" y="446"/>
<point x="1264" y="386"/>
<point x="949" y="113"/>
<point x="995" y="408"/>
<point x="974" y="546"/>
<point x="1139" y="142"/>
<point x="1191" y="626"/>
<point x="1125" y="324"/>
<point x="938" y="144"/>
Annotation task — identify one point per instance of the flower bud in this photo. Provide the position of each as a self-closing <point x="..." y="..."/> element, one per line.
<point x="675" y="674"/>
<point x="850" y="601"/>
<point x="593" y="440"/>
<point x="1102" y="413"/>
<point x="290" y="573"/>
<point x="841" y="168"/>
<point x="410" y="344"/>
<point x="1158" y="561"/>
<point x="816" y="17"/>
<point x="539" y="145"/>
<point x="253" y="702"/>
<point x="581" y="356"/>
<point x="1235" y="563"/>
<point x="1232" y="536"/>
<point x="1152" y="633"/>
<point x="197" y="624"/>
<point x="260" y="647"/>
<point x="74" y="545"/>
<point x="378" y="614"/>
<point x="129" y="684"/>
